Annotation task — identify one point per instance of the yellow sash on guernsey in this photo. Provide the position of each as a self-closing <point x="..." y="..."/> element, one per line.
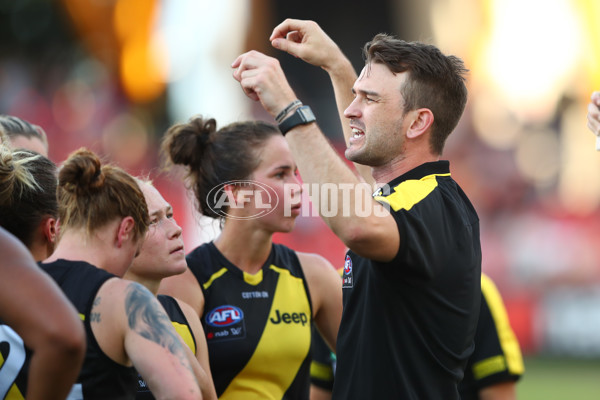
<point x="266" y="375"/>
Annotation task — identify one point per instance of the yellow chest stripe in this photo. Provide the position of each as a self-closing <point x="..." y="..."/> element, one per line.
<point x="282" y="348"/>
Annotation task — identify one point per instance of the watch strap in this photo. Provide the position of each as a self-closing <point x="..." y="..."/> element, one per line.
<point x="303" y="115"/>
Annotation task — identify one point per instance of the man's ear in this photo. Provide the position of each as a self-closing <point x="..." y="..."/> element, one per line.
<point x="421" y="122"/>
<point x="125" y="230"/>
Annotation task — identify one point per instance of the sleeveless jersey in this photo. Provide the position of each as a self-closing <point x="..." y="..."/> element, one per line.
<point x="182" y="327"/>
<point x="100" y="377"/>
<point x="258" y="327"/>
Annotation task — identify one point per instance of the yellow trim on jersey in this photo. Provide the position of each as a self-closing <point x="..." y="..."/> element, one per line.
<point x="508" y="340"/>
<point x="321" y="371"/>
<point x="214" y="276"/>
<point x="14" y="393"/>
<point x="253" y="279"/>
<point x="81" y="317"/>
<point x="266" y="376"/>
<point x="489" y="366"/>
<point x="184" y="331"/>
<point x="411" y="192"/>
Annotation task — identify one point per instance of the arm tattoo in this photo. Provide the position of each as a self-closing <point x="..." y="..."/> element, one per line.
<point x="147" y="319"/>
<point x="94" y="315"/>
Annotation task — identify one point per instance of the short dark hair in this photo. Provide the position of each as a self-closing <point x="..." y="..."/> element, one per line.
<point x="214" y="157"/>
<point x="435" y="81"/>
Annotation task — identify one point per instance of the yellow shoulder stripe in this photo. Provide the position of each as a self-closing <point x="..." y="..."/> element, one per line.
<point x="489" y="366"/>
<point x="508" y="340"/>
<point x="214" y="276"/>
<point x="410" y="192"/>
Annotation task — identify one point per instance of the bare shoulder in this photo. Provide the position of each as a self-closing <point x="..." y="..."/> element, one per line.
<point x="186" y="288"/>
<point x="120" y="298"/>
<point x="317" y="269"/>
<point x="313" y="261"/>
<point x="118" y="290"/>
<point x="187" y="310"/>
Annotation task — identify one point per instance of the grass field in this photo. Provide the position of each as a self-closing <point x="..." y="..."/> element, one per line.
<point x="560" y="379"/>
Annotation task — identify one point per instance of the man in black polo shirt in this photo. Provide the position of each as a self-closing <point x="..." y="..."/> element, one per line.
<point x="412" y="274"/>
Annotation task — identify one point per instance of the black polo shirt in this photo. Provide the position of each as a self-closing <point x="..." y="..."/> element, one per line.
<point x="408" y="325"/>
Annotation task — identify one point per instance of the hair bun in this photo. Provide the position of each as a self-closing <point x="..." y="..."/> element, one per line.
<point x="186" y="144"/>
<point x="7" y="174"/>
<point x="81" y="172"/>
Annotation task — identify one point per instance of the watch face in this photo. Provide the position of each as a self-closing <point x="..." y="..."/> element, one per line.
<point x="306" y="114"/>
<point x="301" y="116"/>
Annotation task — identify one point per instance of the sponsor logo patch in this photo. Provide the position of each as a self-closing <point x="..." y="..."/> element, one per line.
<point x="225" y="323"/>
<point x="287" y="318"/>
<point x="348" y="278"/>
<point x="224" y="316"/>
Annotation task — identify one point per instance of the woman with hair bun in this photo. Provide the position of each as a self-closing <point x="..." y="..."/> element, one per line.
<point x="40" y="331"/>
<point x="103" y="220"/>
<point x="257" y="300"/>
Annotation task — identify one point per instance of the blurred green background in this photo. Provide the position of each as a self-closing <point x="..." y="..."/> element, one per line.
<point x="560" y="379"/>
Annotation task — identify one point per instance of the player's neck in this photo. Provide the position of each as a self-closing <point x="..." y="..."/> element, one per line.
<point x="248" y="249"/>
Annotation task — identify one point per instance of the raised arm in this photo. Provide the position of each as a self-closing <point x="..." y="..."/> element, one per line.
<point x="131" y="326"/>
<point x="36" y="309"/>
<point x="373" y="233"/>
<point x="307" y="41"/>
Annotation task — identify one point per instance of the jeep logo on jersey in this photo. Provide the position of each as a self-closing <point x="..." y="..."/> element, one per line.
<point x="347" y="265"/>
<point x="224" y="316"/>
<point x="287" y="318"/>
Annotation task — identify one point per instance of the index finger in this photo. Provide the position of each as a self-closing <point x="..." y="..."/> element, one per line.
<point x="287" y="26"/>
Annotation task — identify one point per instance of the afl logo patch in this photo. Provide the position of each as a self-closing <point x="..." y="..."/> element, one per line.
<point x="348" y="265"/>
<point x="224" y="316"/>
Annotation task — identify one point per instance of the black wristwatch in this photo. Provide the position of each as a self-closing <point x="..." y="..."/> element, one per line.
<point x="303" y="115"/>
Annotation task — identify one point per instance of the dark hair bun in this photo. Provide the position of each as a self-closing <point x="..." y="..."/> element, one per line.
<point x="81" y="172"/>
<point x="185" y="144"/>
